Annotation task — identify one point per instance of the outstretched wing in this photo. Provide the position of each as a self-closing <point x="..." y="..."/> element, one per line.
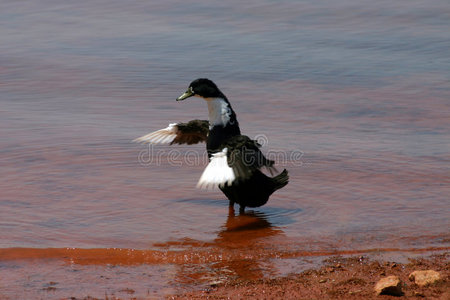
<point x="238" y="159"/>
<point x="192" y="132"/>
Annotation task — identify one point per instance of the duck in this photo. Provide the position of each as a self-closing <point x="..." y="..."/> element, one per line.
<point x="235" y="160"/>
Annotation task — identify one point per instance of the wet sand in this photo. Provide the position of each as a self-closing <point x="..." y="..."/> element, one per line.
<point x="340" y="278"/>
<point x="203" y="272"/>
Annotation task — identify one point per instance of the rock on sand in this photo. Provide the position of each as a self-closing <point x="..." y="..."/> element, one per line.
<point x="423" y="278"/>
<point x="390" y="285"/>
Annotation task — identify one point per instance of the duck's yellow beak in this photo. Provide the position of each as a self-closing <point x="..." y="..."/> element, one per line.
<point x="187" y="94"/>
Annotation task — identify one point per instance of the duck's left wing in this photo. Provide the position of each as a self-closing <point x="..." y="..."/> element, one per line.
<point x="192" y="132"/>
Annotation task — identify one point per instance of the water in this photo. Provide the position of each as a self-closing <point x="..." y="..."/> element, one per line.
<point x="351" y="97"/>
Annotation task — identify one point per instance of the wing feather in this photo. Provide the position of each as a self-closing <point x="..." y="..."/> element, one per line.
<point x="217" y="172"/>
<point x="167" y="134"/>
<point x="192" y="132"/>
<point x="245" y="157"/>
<point x="239" y="158"/>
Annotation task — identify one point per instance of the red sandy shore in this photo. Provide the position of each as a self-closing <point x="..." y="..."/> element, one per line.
<point x="339" y="278"/>
<point x="346" y="276"/>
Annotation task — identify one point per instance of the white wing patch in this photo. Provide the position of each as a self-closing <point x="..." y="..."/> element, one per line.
<point x="217" y="172"/>
<point x="163" y="136"/>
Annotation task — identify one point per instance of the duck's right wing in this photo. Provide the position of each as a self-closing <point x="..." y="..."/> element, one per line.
<point x="237" y="161"/>
<point x="192" y="132"/>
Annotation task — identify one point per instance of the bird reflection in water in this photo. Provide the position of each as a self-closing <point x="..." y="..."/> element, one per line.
<point x="245" y="246"/>
<point x="244" y="236"/>
<point x="244" y="229"/>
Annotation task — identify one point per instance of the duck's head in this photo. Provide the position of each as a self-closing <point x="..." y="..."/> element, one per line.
<point x="203" y="88"/>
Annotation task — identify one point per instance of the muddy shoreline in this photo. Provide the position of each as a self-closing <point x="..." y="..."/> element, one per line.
<point x="69" y="273"/>
<point x="339" y="278"/>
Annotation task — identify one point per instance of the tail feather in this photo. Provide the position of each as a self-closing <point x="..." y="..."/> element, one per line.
<point x="280" y="180"/>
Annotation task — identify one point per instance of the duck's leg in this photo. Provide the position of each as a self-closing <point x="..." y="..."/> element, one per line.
<point x="231" y="203"/>
<point x="231" y="211"/>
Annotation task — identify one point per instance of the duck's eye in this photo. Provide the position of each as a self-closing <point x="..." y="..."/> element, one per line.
<point x="191" y="90"/>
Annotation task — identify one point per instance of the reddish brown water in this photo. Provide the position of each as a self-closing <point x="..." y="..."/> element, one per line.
<point x="353" y="99"/>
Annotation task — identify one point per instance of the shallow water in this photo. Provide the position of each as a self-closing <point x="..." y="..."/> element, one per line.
<point x="351" y="97"/>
